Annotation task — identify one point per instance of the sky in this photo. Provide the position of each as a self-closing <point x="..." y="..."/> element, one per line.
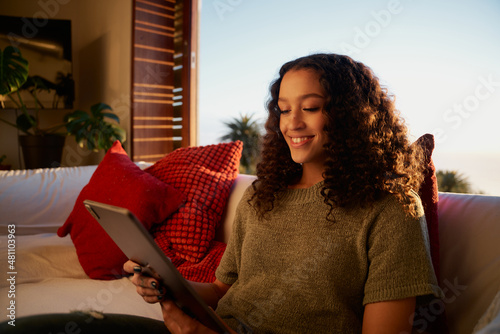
<point x="440" y="59"/>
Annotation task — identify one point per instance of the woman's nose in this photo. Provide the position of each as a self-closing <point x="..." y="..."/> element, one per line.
<point x="296" y="119"/>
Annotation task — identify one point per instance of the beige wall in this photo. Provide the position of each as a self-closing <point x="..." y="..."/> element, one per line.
<point x="101" y="41"/>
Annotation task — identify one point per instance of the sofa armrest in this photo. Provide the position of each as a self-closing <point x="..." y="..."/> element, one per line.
<point x="40" y="200"/>
<point x="469" y="235"/>
<point x="239" y="186"/>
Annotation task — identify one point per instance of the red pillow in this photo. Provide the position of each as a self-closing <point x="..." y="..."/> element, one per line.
<point x="204" y="271"/>
<point x="120" y="182"/>
<point x="205" y="174"/>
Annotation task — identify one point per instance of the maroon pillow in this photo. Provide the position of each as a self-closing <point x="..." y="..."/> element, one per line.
<point x="205" y="174"/>
<point x="120" y="182"/>
<point x="428" y="193"/>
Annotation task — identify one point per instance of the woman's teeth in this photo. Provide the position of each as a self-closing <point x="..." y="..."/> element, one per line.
<point x="299" y="139"/>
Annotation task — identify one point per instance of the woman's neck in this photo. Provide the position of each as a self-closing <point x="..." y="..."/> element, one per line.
<point x="310" y="177"/>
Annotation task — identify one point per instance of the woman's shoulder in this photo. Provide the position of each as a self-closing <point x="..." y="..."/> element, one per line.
<point x="250" y="190"/>
<point x="392" y="203"/>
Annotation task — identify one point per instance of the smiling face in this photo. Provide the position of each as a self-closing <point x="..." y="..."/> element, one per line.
<point x="301" y="101"/>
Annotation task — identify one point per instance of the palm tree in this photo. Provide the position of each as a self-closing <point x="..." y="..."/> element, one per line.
<point x="452" y="181"/>
<point x="248" y="131"/>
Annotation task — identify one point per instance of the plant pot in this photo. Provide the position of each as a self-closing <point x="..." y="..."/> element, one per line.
<point x="42" y="151"/>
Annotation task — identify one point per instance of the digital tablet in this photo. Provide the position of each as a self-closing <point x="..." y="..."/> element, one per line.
<point x="139" y="246"/>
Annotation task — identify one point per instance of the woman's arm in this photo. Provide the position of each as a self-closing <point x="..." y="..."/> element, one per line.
<point x="179" y="322"/>
<point x="395" y="316"/>
<point x="211" y="292"/>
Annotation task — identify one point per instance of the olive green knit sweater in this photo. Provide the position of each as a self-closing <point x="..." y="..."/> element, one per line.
<point x="296" y="272"/>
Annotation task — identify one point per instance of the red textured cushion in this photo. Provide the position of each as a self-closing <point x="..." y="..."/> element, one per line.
<point x="204" y="271"/>
<point x="205" y="174"/>
<point x="116" y="181"/>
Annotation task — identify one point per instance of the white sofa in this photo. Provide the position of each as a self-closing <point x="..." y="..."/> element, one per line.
<point x="49" y="279"/>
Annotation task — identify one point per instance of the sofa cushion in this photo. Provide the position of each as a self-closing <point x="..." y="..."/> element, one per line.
<point x="205" y="174"/>
<point x="65" y="295"/>
<point x="41" y="257"/>
<point x="116" y="181"/>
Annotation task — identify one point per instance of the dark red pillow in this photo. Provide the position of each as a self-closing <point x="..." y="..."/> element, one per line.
<point x="205" y="174"/>
<point x="120" y="182"/>
<point x="428" y="193"/>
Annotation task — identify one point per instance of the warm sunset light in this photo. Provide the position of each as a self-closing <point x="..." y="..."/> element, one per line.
<point x="440" y="60"/>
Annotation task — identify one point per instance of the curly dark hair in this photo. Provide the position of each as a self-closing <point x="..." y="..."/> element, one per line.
<point x="368" y="151"/>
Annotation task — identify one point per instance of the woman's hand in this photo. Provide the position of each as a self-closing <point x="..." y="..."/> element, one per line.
<point x="148" y="287"/>
<point x="174" y="318"/>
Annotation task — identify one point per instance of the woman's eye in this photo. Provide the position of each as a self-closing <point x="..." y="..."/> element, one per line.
<point x="311" y="109"/>
<point x="285" y="111"/>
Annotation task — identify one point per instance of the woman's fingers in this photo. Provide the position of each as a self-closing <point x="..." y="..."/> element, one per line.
<point x="132" y="267"/>
<point x="152" y="294"/>
<point x="150" y="298"/>
<point x="140" y="278"/>
<point x="129" y="266"/>
<point x="147" y="287"/>
<point x="144" y="281"/>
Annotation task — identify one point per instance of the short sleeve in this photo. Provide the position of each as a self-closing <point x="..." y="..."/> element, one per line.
<point x="399" y="259"/>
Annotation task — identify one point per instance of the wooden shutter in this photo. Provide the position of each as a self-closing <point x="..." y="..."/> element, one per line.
<point x="163" y="77"/>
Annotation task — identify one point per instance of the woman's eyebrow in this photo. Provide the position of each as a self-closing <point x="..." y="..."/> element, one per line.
<point x="303" y="97"/>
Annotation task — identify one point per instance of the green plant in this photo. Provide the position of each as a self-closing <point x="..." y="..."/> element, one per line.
<point x="13" y="74"/>
<point x="452" y="181"/>
<point x="92" y="130"/>
<point x="2" y="158"/>
<point x="248" y="131"/>
<point x="13" y="70"/>
<point x="14" y="77"/>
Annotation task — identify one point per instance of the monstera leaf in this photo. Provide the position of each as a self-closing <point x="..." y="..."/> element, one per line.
<point x="92" y="129"/>
<point x="13" y="70"/>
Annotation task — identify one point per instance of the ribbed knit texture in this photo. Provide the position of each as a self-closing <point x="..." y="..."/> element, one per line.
<point x="296" y="272"/>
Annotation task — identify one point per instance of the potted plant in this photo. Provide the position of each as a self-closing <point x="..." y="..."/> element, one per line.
<point x="42" y="147"/>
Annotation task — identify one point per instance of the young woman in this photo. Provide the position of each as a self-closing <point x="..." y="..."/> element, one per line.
<point x="331" y="237"/>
